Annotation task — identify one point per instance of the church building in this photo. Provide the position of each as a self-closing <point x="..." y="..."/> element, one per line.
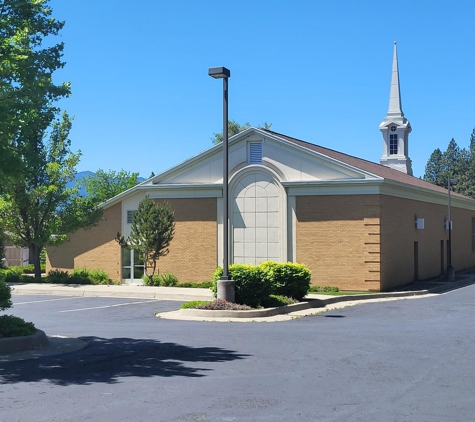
<point x="356" y="224"/>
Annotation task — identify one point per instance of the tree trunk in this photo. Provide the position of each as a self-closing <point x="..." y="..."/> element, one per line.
<point x="35" y="252"/>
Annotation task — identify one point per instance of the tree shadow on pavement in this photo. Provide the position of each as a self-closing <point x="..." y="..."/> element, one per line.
<point x="109" y="360"/>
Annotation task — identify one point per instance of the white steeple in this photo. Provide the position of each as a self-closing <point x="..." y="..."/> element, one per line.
<point x="395" y="127"/>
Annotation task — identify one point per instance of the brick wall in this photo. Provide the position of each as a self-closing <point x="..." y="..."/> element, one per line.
<point x="93" y="249"/>
<point x="338" y="238"/>
<point x="399" y="234"/>
<point x="193" y="251"/>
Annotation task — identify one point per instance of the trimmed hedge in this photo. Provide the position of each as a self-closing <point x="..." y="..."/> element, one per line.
<point x="252" y="285"/>
<point x="287" y="278"/>
<point x="255" y="283"/>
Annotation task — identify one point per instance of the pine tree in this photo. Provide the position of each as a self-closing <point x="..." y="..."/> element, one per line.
<point x="153" y="228"/>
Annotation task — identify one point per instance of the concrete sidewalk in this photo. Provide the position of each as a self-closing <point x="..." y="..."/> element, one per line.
<point x="126" y="291"/>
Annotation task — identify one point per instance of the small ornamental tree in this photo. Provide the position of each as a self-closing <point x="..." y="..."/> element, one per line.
<point x="153" y="228"/>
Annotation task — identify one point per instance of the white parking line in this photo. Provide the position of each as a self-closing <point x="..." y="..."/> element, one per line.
<point x="110" y="306"/>
<point x="47" y="300"/>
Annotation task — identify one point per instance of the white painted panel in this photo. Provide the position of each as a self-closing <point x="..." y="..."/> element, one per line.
<point x="250" y="192"/>
<point x="273" y="219"/>
<point x="238" y="205"/>
<point x="249" y="204"/>
<point x="250" y="250"/>
<point x="273" y="251"/>
<point x="250" y="234"/>
<point x="261" y="250"/>
<point x="239" y="249"/>
<point x="261" y="204"/>
<point x="273" y="234"/>
<point x="261" y="219"/>
<point x="261" y="234"/>
<point x="238" y="234"/>
<point x="249" y="219"/>
<point x="273" y="204"/>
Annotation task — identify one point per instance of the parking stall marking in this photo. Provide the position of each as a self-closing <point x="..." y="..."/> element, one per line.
<point x="109" y="306"/>
<point x="46" y="300"/>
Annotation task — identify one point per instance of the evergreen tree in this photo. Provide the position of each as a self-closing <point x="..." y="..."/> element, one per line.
<point x="435" y="169"/>
<point x="153" y="228"/>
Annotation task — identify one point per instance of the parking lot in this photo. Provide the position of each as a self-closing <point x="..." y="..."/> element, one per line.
<point x="407" y="360"/>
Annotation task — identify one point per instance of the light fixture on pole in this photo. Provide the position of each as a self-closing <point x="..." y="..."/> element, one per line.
<point x="450" y="269"/>
<point x="226" y="287"/>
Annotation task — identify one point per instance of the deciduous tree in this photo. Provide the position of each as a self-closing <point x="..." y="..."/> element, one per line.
<point x="103" y="185"/>
<point x="37" y="208"/>
<point x="234" y="128"/>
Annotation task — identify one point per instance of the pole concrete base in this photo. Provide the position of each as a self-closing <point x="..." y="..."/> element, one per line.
<point x="226" y="290"/>
<point x="450" y="273"/>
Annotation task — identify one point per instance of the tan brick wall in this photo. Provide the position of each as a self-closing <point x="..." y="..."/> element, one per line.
<point x="399" y="234"/>
<point x="92" y="249"/>
<point x="338" y="238"/>
<point x="193" y="251"/>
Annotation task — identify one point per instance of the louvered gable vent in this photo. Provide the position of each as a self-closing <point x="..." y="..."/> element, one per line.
<point x="130" y="216"/>
<point x="255" y="152"/>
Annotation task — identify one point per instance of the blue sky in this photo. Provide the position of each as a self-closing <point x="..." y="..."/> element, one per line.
<point x="318" y="70"/>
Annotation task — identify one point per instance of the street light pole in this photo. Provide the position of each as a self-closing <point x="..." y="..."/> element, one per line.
<point x="450" y="269"/>
<point x="226" y="287"/>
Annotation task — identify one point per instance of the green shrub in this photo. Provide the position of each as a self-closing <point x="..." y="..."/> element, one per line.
<point x="193" y="304"/>
<point x="80" y="276"/>
<point x="288" y="279"/>
<point x="58" y="276"/>
<point x="168" y="279"/>
<point x="11" y="326"/>
<point x="5" y="296"/>
<point x="156" y="280"/>
<point x="99" y="277"/>
<point x="12" y="277"/>
<point x="273" y="301"/>
<point x="17" y="269"/>
<point x="203" y="285"/>
<point x="316" y="289"/>
<point x="252" y="285"/>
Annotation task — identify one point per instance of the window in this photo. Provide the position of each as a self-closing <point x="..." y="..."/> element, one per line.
<point x="130" y="216"/>
<point x="255" y="153"/>
<point x="392" y="144"/>
<point x="473" y="234"/>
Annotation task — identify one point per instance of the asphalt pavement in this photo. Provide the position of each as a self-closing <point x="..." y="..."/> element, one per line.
<point x="403" y="360"/>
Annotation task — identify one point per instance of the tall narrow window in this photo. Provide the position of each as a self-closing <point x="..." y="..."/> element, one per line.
<point x="255" y="152"/>
<point x="392" y="144"/>
<point x="473" y="234"/>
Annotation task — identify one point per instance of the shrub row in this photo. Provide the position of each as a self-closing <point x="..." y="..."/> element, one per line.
<point x="256" y="283"/>
<point x="28" y="269"/>
<point x="316" y="289"/>
<point x="165" y="279"/>
<point x="78" y="276"/>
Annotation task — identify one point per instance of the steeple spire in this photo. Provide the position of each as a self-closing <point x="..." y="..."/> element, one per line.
<point x="395" y="108"/>
<point x="395" y="127"/>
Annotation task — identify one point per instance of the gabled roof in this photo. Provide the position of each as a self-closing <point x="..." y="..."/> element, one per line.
<point x="379" y="170"/>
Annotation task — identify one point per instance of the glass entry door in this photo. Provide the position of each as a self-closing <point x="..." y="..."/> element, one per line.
<point x="132" y="266"/>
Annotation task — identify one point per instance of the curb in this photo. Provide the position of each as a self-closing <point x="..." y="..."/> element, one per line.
<point x="316" y="303"/>
<point x="16" y="344"/>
